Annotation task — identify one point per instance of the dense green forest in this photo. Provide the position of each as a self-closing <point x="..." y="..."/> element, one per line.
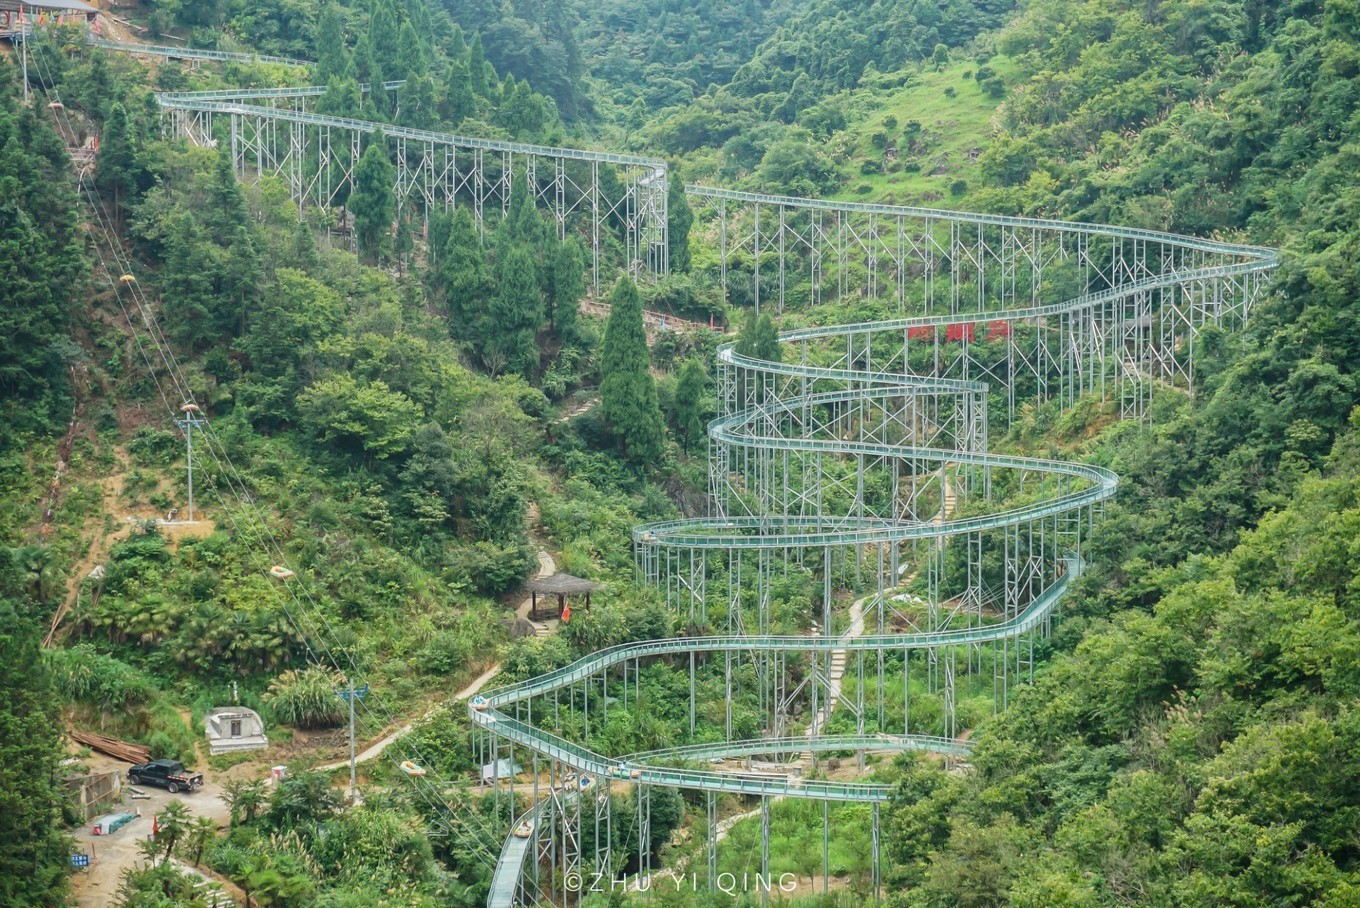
<point x="419" y="419"/>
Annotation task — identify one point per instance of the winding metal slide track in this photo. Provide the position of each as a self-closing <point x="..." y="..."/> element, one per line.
<point x="803" y="449"/>
<point x="774" y="421"/>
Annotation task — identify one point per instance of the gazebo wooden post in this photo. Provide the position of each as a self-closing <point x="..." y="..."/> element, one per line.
<point x="533" y="603"/>
<point x="587" y="601"/>
<point x="561" y="603"/>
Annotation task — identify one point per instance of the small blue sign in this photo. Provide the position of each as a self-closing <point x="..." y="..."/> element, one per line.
<point x="360" y="693"/>
<point x="80" y="860"/>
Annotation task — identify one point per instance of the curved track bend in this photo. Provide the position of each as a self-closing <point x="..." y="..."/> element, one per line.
<point x="838" y="456"/>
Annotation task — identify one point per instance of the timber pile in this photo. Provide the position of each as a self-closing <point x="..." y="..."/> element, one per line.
<point x="119" y="750"/>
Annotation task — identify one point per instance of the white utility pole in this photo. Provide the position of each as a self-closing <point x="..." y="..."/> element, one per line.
<point x="190" y="420"/>
<point x="352" y="787"/>
<point x="23" y="35"/>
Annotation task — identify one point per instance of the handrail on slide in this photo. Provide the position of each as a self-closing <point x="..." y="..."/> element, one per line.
<point x="1082" y="487"/>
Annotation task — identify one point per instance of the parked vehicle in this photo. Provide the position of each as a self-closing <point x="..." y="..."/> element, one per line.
<point x="168" y="774"/>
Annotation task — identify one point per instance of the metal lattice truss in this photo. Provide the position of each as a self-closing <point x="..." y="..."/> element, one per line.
<point x="861" y="460"/>
<point x="996" y="281"/>
<point x="615" y="202"/>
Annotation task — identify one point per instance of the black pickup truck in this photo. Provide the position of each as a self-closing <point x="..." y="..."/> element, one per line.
<point x="168" y="774"/>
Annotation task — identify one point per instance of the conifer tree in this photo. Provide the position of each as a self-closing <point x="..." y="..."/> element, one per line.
<point x="373" y="201"/>
<point x="97" y="90"/>
<point x="627" y="392"/>
<point x="416" y="102"/>
<point x="680" y="220"/>
<point x="515" y="314"/>
<point x="522" y="224"/>
<point x="32" y="848"/>
<point x="370" y="69"/>
<point x="457" y="45"/>
<point x="116" y="168"/>
<point x="759" y="339"/>
<point x="330" y="45"/>
<point x="302" y="254"/>
<point x="460" y="102"/>
<point x="566" y="283"/>
<point x="42" y="265"/>
<point x="689" y="404"/>
<point x="228" y="211"/>
<point x="342" y="98"/>
<point x="463" y="273"/>
<point x="242" y="276"/>
<point x="189" y="279"/>
<point x="384" y="34"/>
<point x="412" y="57"/>
<point x="476" y="63"/>
<point x="522" y="111"/>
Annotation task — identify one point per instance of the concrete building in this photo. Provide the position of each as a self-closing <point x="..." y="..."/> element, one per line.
<point x="233" y="728"/>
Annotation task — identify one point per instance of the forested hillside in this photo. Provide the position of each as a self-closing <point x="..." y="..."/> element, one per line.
<point x="417" y="408"/>
<point x="1198" y="746"/>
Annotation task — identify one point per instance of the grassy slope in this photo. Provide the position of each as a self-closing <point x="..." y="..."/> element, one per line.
<point x="950" y="129"/>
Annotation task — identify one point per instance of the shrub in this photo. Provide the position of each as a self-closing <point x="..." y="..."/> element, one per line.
<point x="85" y="676"/>
<point x="169" y="737"/>
<point x="307" y="698"/>
<point x="958" y="188"/>
<point x="154" y="446"/>
<point x="446" y="651"/>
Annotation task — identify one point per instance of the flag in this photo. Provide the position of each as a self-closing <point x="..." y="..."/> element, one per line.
<point x="566" y="614"/>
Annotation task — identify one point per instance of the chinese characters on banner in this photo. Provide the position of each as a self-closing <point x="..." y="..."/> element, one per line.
<point x="961" y="331"/>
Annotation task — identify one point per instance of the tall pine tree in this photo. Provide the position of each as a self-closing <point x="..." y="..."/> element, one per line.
<point x="680" y="219"/>
<point x="566" y="283"/>
<point x="522" y="225"/>
<point x="759" y="339"/>
<point x="41" y="268"/>
<point x="372" y="200"/>
<point x="331" y="56"/>
<point x="32" y="848"/>
<point x="689" y="404"/>
<point x="464" y="276"/>
<point x="476" y="62"/>
<point x="460" y="102"/>
<point x="627" y="392"/>
<point x="515" y="315"/>
<point x="116" y="169"/>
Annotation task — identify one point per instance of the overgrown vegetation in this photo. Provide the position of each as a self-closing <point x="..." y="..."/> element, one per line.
<point x="1193" y="741"/>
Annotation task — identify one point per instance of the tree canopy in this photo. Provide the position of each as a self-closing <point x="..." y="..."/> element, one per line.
<point x="627" y="392"/>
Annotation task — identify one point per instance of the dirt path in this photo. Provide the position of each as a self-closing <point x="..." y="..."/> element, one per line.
<point x="546" y="568"/>
<point x="542" y="626"/>
<point x="577" y="409"/>
<point x="110" y="492"/>
<point x="838" y="659"/>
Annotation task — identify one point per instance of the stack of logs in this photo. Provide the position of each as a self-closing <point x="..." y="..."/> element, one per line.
<point x="119" y="750"/>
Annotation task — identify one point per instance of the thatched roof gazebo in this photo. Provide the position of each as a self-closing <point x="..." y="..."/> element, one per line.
<point x="561" y="586"/>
